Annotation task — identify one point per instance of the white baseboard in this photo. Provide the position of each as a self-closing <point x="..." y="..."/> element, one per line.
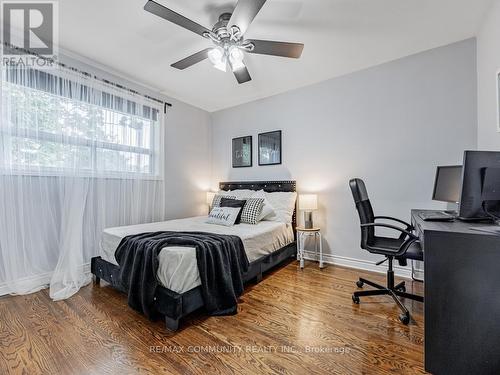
<point x="359" y="264"/>
<point x="34" y="283"/>
<point x="28" y="283"/>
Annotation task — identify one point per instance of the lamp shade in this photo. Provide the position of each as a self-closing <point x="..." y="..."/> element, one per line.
<point x="308" y="202"/>
<point x="210" y="197"/>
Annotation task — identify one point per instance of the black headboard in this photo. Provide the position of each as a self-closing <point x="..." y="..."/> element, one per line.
<point x="267" y="186"/>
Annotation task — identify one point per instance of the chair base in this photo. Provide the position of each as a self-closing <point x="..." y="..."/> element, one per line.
<point x="395" y="291"/>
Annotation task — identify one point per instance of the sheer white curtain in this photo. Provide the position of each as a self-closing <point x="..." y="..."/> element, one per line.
<point x="76" y="156"/>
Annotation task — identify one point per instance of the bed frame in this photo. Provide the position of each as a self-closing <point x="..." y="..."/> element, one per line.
<point x="176" y="306"/>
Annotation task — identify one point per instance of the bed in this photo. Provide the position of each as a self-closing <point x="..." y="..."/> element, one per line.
<point x="267" y="245"/>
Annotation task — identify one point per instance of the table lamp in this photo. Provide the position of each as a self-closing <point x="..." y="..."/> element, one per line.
<point x="308" y="203"/>
<point x="210" y="199"/>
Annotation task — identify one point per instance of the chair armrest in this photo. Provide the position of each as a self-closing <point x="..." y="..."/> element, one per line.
<point x="405" y="245"/>
<point x="404" y="231"/>
<point x="408" y="225"/>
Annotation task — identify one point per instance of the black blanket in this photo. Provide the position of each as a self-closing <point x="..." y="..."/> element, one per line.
<point x="221" y="262"/>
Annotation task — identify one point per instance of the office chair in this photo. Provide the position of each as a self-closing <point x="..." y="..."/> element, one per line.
<point x="406" y="246"/>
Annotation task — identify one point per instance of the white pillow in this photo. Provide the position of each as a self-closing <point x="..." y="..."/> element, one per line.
<point x="224" y="192"/>
<point x="241" y="193"/>
<point x="283" y="204"/>
<point x="267" y="210"/>
<point x="223" y="216"/>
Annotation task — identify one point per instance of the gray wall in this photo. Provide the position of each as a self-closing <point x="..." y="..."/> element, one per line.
<point x="488" y="64"/>
<point x="391" y="125"/>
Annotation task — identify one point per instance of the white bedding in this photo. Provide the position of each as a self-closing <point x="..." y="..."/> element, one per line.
<point x="178" y="270"/>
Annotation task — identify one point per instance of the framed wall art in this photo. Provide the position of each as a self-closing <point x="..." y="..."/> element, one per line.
<point x="242" y="152"/>
<point x="270" y="148"/>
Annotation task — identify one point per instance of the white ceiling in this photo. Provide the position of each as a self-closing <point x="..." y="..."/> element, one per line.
<point x="340" y="36"/>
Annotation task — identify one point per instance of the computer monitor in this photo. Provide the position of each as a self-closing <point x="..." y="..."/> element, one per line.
<point x="490" y="195"/>
<point x="448" y="183"/>
<point x="471" y="198"/>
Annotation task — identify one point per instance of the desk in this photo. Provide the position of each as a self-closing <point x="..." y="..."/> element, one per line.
<point x="462" y="297"/>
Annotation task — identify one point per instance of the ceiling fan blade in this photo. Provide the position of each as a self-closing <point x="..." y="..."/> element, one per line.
<point x="283" y="49"/>
<point x="244" y="13"/>
<point x="174" y="17"/>
<point x="191" y="60"/>
<point x="242" y="75"/>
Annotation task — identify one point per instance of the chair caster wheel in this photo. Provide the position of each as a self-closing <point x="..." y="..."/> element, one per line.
<point x="355" y="299"/>
<point x="402" y="289"/>
<point x="359" y="284"/>
<point x="404" y="318"/>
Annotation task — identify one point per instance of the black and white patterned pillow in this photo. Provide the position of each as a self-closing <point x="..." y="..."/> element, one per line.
<point x="252" y="210"/>
<point x="218" y="197"/>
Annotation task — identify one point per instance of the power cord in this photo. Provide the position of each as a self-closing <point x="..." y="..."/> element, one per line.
<point x="491" y="215"/>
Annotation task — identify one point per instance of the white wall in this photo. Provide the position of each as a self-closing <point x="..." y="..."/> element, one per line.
<point x="488" y="64"/>
<point x="390" y="124"/>
<point x="187" y="144"/>
<point x="188" y="169"/>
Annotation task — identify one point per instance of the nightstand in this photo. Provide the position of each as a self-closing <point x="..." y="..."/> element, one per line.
<point x="302" y="234"/>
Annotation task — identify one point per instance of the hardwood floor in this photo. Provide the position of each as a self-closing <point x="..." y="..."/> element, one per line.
<point x="294" y="322"/>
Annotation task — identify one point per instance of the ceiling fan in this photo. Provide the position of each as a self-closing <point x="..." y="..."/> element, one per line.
<point x="228" y="37"/>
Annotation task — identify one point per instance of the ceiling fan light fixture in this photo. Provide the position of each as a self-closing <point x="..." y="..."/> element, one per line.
<point x="237" y="65"/>
<point x="228" y="36"/>
<point x="235" y="54"/>
<point x="236" y="58"/>
<point x="215" y="55"/>
<point x="222" y="66"/>
<point x="218" y="58"/>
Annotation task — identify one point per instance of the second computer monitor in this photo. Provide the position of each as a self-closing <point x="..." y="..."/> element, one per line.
<point x="448" y="184"/>
<point x="476" y="166"/>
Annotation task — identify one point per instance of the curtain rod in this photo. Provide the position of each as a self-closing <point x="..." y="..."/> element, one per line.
<point x="117" y="85"/>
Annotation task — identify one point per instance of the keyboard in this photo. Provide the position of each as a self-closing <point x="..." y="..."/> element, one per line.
<point x="436" y="216"/>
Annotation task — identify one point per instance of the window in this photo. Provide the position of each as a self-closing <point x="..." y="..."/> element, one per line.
<point x="58" y="125"/>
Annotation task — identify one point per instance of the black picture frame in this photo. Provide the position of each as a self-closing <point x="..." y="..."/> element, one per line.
<point x="270" y="148"/>
<point x="242" y="152"/>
